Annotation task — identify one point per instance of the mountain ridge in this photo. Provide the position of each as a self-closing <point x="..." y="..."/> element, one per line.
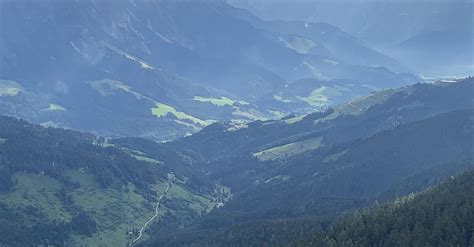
<point x="163" y="64"/>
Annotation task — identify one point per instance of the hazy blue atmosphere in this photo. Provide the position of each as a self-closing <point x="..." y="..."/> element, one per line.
<point x="430" y="36"/>
<point x="236" y="123"/>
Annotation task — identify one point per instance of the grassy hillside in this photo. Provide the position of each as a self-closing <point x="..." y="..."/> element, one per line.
<point x="339" y="178"/>
<point x="63" y="187"/>
<point x="112" y="83"/>
<point x="360" y="118"/>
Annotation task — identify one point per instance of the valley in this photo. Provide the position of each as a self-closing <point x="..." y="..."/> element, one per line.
<point x="95" y="193"/>
<point x="140" y="233"/>
<point x="325" y="181"/>
<point x="134" y="191"/>
<point x="154" y="69"/>
<point x="236" y="123"/>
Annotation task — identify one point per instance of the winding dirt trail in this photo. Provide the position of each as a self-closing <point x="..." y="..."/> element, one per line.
<point x="154" y="216"/>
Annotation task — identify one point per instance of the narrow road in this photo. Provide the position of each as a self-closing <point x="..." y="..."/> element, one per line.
<point x="154" y="216"/>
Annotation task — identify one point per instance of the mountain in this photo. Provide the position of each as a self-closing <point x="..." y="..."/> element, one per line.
<point x="66" y="188"/>
<point x="438" y="216"/>
<point x="363" y="18"/>
<point x="198" y="123"/>
<point x="325" y="40"/>
<point x="326" y="184"/>
<point x="356" y="119"/>
<point x="423" y="35"/>
<point x="449" y="52"/>
<point x="165" y="69"/>
<point x="405" y="141"/>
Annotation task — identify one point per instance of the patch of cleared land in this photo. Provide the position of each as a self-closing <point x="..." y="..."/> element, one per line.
<point x="146" y="159"/>
<point x="107" y="87"/>
<point x="360" y="105"/>
<point x="276" y="114"/>
<point x="54" y="107"/>
<point x="289" y="149"/>
<point x="320" y="96"/>
<point x="236" y="125"/>
<point x="298" y="44"/>
<point x="294" y="119"/>
<point x="9" y="88"/>
<point x="222" y="101"/>
<point x="161" y="110"/>
<point x="201" y="204"/>
<point x="38" y="193"/>
<point x="280" y="99"/>
<point x="138" y="155"/>
<point x="115" y="211"/>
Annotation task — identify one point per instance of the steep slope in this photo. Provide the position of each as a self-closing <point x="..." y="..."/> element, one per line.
<point x="81" y="189"/>
<point x="362" y="18"/>
<point x="356" y="119"/>
<point x="336" y="178"/>
<point x="65" y="188"/>
<point x="325" y="40"/>
<point x="440" y="216"/>
<point x="171" y="66"/>
<point x="432" y="37"/>
<point x="349" y="171"/>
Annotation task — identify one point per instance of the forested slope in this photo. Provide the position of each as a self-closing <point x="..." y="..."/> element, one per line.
<point x="65" y="188"/>
<point x="441" y="216"/>
<point x="329" y="182"/>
